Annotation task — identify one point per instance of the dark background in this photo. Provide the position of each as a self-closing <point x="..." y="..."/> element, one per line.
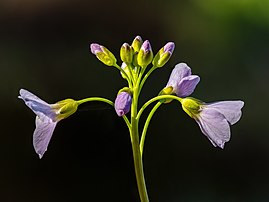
<point x="44" y="48"/>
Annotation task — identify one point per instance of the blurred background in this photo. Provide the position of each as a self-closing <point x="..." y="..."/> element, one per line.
<point x="44" y="47"/>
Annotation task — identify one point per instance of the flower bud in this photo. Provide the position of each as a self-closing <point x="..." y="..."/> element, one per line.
<point x="137" y="43"/>
<point x="126" y="53"/>
<point x="123" y="103"/>
<point x="191" y="106"/>
<point x="103" y="54"/>
<point x="126" y="70"/>
<point x="145" y="54"/>
<point x="163" y="55"/>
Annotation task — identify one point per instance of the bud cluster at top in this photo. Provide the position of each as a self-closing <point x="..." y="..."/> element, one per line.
<point x="139" y="53"/>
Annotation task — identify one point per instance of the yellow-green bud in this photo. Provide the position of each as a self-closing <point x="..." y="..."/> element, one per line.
<point x="103" y="54"/>
<point x="126" y="53"/>
<point x="145" y="55"/>
<point x="137" y="43"/>
<point x="163" y="55"/>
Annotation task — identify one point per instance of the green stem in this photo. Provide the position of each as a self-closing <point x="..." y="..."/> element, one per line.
<point x="157" y="98"/>
<point x="143" y="136"/>
<point x="129" y="80"/>
<point x="145" y="77"/>
<point x="79" y="102"/>
<point x="138" y="164"/>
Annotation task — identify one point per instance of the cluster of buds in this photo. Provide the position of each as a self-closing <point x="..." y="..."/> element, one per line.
<point x="134" y="57"/>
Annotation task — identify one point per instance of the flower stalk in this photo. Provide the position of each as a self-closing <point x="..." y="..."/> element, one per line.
<point x="214" y="119"/>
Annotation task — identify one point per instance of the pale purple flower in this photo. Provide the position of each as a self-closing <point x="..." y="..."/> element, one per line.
<point x="123" y="103"/>
<point x="47" y="117"/>
<point x="214" y="119"/>
<point x="182" y="81"/>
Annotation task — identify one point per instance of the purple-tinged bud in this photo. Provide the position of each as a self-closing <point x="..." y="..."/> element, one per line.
<point x="169" y="47"/>
<point x="126" y="53"/>
<point x="145" y="54"/>
<point x="95" y="48"/>
<point x="137" y="43"/>
<point x="123" y="103"/>
<point x="103" y="54"/>
<point x="163" y="55"/>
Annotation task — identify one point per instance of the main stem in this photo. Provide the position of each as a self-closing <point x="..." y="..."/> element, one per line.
<point x="138" y="164"/>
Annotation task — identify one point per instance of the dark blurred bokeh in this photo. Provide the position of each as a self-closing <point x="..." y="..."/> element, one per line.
<point x="44" y="48"/>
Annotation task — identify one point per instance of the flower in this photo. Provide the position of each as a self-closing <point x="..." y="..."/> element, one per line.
<point x="48" y="115"/>
<point x="214" y="119"/>
<point x="182" y="81"/>
<point x="103" y="54"/>
<point x="123" y="103"/>
<point x="163" y="55"/>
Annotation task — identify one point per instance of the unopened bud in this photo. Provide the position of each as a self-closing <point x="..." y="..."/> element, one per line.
<point x="123" y="103"/>
<point x="163" y="55"/>
<point x="137" y="43"/>
<point x="103" y="54"/>
<point x="126" y="53"/>
<point x="145" y="55"/>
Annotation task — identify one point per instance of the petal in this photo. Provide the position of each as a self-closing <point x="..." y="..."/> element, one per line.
<point x="214" y="126"/>
<point x="169" y="47"/>
<point x="42" y="134"/>
<point x="230" y="109"/>
<point x="187" y="85"/>
<point x="38" y="106"/>
<point x="95" y="48"/>
<point x="180" y="71"/>
<point x="27" y="96"/>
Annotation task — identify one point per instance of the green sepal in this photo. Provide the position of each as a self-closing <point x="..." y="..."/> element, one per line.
<point x="65" y="108"/>
<point x="166" y="91"/>
<point x="137" y="43"/>
<point x="106" y="57"/>
<point x="144" y="58"/>
<point x="191" y="106"/>
<point x="127" y="90"/>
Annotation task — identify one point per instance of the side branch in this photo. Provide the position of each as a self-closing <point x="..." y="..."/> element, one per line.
<point x="157" y="98"/>
<point x="106" y="101"/>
